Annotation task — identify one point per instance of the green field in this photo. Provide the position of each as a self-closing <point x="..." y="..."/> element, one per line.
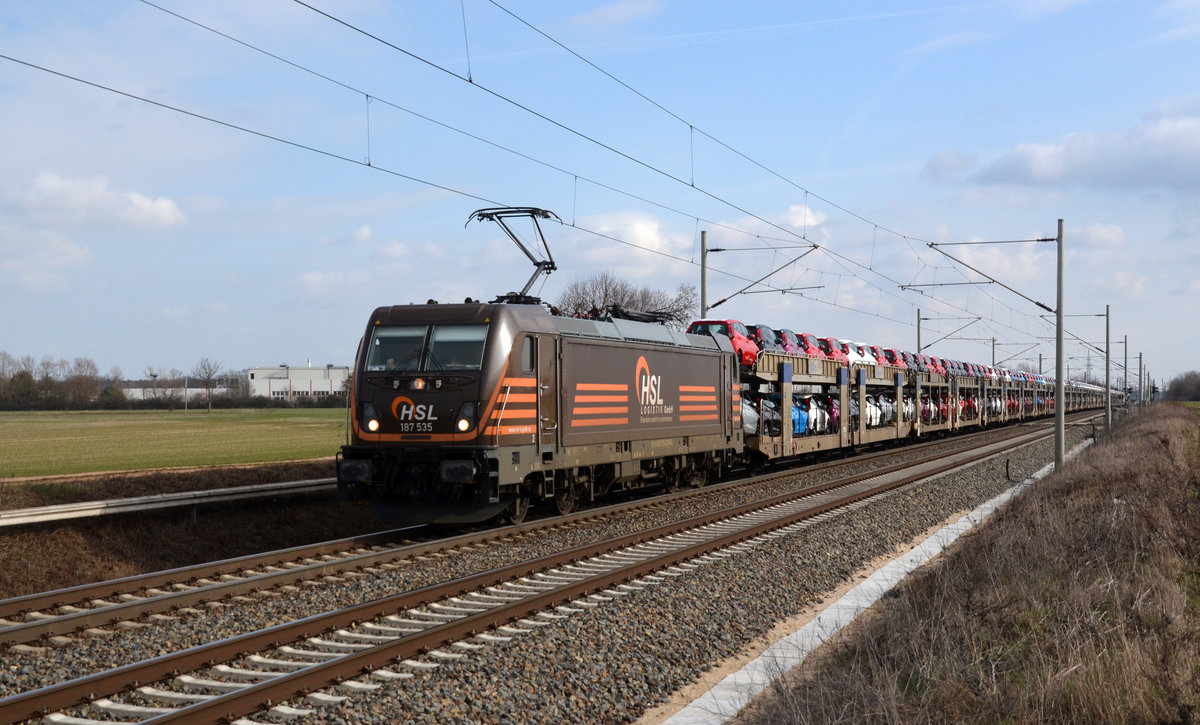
<point x="52" y="443"/>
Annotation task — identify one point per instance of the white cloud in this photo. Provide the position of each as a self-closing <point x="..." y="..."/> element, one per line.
<point x="1103" y="236"/>
<point x="1162" y="151"/>
<point x="91" y="201"/>
<point x="800" y="216"/>
<point x="647" y="252"/>
<point x="154" y="212"/>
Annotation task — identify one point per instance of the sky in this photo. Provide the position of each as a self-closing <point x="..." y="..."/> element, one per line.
<point x="246" y="182"/>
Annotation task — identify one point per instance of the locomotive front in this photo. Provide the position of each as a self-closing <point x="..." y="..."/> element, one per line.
<point x="423" y="376"/>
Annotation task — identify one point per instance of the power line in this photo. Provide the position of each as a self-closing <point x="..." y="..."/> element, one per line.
<point x="500" y="96"/>
<point x="329" y="154"/>
<point x="475" y="137"/>
<point x="243" y="129"/>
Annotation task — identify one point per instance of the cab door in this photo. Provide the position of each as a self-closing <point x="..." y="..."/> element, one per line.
<point x="547" y="395"/>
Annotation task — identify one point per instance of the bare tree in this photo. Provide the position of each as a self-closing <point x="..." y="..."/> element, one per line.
<point x="206" y="372"/>
<point x="81" y="381"/>
<point x="1185" y="387"/>
<point x="601" y="291"/>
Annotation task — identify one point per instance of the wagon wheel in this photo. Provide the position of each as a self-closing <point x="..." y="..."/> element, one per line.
<point x="564" y="495"/>
<point x="516" y="513"/>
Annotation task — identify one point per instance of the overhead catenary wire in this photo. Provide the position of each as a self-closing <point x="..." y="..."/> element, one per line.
<point x="517" y="104"/>
<point x="576" y="176"/>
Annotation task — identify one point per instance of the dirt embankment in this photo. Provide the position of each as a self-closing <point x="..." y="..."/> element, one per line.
<point x="48" y="556"/>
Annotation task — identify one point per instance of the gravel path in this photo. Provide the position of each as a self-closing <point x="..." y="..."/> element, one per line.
<point x="606" y="664"/>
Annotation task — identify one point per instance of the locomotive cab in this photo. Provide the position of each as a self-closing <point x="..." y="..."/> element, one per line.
<point x="433" y="402"/>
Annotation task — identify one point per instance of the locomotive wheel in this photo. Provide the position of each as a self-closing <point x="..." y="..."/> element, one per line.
<point x="671" y="478"/>
<point x="564" y="498"/>
<point x="516" y="513"/>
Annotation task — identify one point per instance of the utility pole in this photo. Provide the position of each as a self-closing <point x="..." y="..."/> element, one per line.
<point x="1141" y="382"/>
<point x="703" y="274"/>
<point x="918" y="330"/>
<point x="1107" y="376"/>
<point x="1060" y="413"/>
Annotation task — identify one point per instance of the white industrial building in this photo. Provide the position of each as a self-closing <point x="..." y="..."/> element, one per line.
<point x="284" y="382"/>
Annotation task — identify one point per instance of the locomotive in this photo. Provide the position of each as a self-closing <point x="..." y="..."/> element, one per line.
<point x="462" y="412"/>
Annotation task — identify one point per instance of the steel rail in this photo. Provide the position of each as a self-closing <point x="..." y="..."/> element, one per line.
<point x="63" y="695"/>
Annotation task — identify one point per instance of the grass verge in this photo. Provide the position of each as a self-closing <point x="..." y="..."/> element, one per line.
<point x="1078" y="602"/>
<point x="55" y="443"/>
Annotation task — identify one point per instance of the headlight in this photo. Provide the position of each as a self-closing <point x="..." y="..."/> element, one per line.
<point x="417" y="384"/>
<point x="465" y="420"/>
<point x="370" y="419"/>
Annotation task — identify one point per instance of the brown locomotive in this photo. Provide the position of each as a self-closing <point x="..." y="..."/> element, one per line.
<point x="466" y="411"/>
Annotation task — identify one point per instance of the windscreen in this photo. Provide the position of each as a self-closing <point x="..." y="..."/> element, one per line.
<point x="406" y="349"/>
<point x="456" y="347"/>
<point x="396" y="348"/>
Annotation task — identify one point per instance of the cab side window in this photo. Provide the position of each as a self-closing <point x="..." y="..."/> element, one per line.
<point x="528" y="356"/>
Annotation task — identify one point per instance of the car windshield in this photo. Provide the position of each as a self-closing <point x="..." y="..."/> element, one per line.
<point x="712" y="328"/>
<point x="404" y="349"/>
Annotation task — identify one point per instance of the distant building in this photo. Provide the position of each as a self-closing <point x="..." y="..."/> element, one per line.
<point x="284" y="382"/>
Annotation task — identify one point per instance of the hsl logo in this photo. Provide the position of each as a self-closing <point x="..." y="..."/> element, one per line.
<point x="404" y="409"/>
<point x="649" y="386"/>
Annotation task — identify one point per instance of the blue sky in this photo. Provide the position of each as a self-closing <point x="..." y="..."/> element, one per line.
<point x="319" y="172"/>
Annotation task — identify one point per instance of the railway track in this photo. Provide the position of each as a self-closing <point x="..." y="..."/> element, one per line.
<point x="80" y="609"/>
<point x="236" y="676"/>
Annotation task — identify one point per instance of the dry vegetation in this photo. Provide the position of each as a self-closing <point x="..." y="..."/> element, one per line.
<point x="1079" y="602"/>
<point x="37" y="558"/>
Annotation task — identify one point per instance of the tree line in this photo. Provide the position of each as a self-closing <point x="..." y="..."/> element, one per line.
<point x="49" y="384"/>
